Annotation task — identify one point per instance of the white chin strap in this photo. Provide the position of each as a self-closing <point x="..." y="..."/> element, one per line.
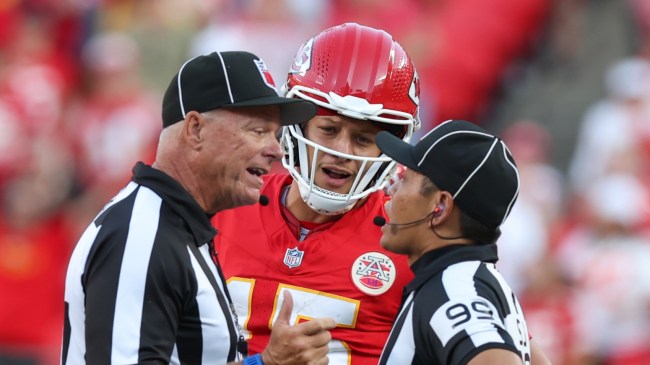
<point x="316" y="198"/>
<point x="324" y="201"/>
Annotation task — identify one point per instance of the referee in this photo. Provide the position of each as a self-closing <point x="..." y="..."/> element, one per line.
<point x="459" y="186"/>
<point x="143" y="285"/>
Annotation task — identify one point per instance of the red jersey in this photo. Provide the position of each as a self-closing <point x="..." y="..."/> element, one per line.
<point x="338" y="271"/>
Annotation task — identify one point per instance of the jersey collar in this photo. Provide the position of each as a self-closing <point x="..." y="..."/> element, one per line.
<point x="180" y="201"/>
<point x="433" y="262"/>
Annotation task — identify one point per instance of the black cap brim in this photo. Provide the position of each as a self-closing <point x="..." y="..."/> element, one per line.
<point x="396" y="149"/>
<point x="292" y="111"/>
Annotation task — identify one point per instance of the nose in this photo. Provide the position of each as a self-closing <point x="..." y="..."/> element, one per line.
<point x="343" y="144"/>
<point x="273" y="149"/>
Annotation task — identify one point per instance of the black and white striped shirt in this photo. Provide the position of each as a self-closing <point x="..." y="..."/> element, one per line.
<point x="141" y="286"/>
<point x="457" y="306"/>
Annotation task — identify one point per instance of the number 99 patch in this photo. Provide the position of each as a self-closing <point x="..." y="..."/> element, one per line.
<point x="475" y="315"/>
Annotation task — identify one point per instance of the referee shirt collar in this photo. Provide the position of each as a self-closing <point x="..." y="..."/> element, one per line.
<point x="178" y="199"/>
<point x="435" y="261"/>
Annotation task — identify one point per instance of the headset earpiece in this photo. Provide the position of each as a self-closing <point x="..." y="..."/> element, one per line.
<point x="438" y="210"/>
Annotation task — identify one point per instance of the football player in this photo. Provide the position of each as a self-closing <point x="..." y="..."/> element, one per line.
<point x="313" y="233"/>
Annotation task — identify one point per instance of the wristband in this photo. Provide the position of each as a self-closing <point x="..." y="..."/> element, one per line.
<point x="253" y="360"/>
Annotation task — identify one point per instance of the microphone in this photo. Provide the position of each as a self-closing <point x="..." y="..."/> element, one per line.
<point x="381" y="221"/>
<point x="264" y="200"/>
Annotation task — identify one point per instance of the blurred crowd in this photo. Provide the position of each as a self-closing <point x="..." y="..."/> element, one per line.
<point x="80" y="90"/>
<point x="577" y="244"/>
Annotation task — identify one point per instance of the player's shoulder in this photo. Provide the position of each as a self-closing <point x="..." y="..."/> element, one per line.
<point x="276" y="180"/>
<point x="372" y="206"/>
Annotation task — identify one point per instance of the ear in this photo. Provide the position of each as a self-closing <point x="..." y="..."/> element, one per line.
<point x="443" y="207"/>
<point x="193" y="126"/>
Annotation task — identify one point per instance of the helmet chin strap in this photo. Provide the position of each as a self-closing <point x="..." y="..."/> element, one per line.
<point x="322" y="205"/>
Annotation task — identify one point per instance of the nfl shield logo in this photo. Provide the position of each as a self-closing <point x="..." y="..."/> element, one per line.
<point x="293" y="257"/>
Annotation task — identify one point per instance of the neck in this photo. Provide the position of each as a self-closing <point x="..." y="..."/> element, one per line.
<point x="432" y="241"/>
<point x="182" y="173"/>
<point x="177" y="171"/>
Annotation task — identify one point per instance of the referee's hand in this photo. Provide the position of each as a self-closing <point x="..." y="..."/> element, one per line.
<point x="304" y="343"/>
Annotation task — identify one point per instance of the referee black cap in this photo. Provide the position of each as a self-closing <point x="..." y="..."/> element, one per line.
<point x="463" y="159"/>
<point x="228" y="80"/>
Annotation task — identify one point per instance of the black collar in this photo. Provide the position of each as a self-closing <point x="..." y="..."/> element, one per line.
<point x="180" y="201"/>
<point x="433" y="262"/>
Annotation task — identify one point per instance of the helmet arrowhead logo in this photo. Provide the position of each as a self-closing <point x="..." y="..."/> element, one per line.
<point x="414" y="90"/>
<point x="302" y="61"/>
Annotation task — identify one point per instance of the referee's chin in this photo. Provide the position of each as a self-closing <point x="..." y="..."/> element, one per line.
<point x="385" y="241"/>
<point x="249" y="197"/>
<point x="234" y="199"/>
<point x="389" y="241"/>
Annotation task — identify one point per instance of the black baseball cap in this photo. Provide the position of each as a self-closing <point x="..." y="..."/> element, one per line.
<point x="228" y="80"/>
<point x="462" y="158"/>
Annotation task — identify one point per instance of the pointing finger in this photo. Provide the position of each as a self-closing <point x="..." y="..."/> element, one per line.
<point x="287" y="306"/>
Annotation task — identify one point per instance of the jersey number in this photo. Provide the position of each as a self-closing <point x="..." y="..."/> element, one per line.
<point x="307" y="304"/>
<point x="461" y="312"/>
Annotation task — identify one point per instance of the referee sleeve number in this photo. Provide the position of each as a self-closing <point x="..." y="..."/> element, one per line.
<point x="460" y="313"/>
<point x="473" y="316"/>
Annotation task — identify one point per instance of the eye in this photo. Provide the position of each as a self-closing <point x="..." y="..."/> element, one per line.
<point x="365" y="140"/>
<point x="328" y="130"/>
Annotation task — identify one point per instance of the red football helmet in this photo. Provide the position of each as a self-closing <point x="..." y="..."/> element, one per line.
<point x="362" y="73"/>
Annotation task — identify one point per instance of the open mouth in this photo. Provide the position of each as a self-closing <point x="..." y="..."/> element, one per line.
<point x="257" y="171"/>
<point x="336" y="174"/>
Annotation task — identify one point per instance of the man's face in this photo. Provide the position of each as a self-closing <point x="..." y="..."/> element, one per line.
<point x="342" y="134"/>
<point x="244" y="147"/>
<point x="407" y="204"/>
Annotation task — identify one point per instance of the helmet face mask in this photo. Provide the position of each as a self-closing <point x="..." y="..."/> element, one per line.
<point x="357" y="72"/>
<point x="372" y="176"/>
<point x="354" y="107"/>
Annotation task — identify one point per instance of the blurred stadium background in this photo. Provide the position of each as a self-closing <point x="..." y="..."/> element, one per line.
<point x="565" y="82"/>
